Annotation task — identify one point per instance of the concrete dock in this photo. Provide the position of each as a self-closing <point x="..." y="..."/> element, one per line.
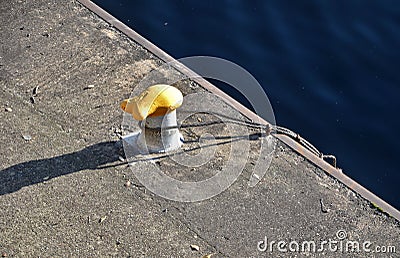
<point x="65" y="187"/>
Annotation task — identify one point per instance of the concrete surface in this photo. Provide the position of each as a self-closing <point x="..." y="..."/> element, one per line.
<point x="63" y="186"/>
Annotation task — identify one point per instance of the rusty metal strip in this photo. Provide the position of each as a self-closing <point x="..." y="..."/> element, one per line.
<point x="336" y="173"/>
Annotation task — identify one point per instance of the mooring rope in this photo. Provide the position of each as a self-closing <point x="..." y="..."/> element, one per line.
<point x="275" y="129"/>
<point x="267" y="129"/>
<point x="282" y="130"/>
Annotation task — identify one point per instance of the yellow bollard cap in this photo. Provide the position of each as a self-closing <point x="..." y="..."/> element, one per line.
<point x="156" y="100"/>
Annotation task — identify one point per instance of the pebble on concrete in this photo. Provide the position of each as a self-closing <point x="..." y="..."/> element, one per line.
<point x="27" y="137"/>
<point x="102" y="219"/>
<point x="207" y="255"/>
<point x="35" y="90"/>
<point x="90" y="86"/>
<point x="194" y="247"/>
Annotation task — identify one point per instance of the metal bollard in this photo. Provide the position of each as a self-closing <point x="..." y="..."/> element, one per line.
<point x="155" y="109"/>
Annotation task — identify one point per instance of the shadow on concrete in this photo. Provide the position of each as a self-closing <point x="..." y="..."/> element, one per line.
<point x="36" y="171"/>
<point x="97" y="156"/>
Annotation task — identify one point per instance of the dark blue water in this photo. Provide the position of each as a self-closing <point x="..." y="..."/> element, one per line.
<point x="330" y="68"/>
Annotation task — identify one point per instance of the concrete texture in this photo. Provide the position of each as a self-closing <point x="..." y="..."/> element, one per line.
<point x="63" y="184"/>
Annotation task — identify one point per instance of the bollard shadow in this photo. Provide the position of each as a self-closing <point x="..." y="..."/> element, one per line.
<point x="97" y="156"/>
<point x="37" y="171"/>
